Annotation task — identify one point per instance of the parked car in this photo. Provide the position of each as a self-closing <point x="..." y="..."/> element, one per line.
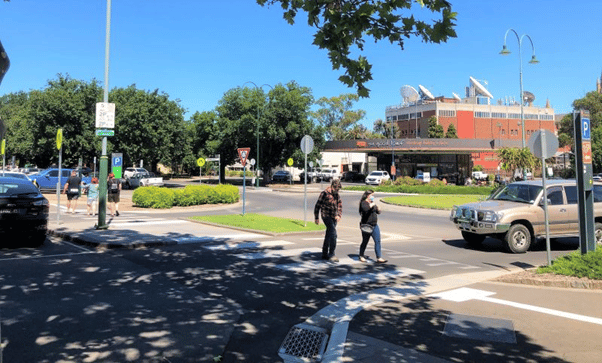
<point x="377" y="177"/>
<point x="14" y="174"/>
<point x="29" y="171"/>
<point x="48" y="179"/>
<point x="353" y="176"/>
<point x="329" y="174"/>
<point x="312" y="176"/>
<point x="23" y="213"/>
<point x="129" y="172"/>
<point x="282" y="176"/>
<point x="143" y="180"/>
<point x="514" y="214"/>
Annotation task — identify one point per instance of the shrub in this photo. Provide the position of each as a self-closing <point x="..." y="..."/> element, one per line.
<point x="153" y="197"/>
<point x="156" y="197"/>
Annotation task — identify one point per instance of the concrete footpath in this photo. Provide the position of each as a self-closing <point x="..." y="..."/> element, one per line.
<point x="461" y="318"/>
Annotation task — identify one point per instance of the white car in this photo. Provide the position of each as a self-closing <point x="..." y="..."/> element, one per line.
<point x="143" y="180"/>
<point x="129" y="172"/>
<point x="377" y="177"/>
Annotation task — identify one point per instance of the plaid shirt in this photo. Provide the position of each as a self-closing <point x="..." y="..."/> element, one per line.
<point x="330" y="205"/>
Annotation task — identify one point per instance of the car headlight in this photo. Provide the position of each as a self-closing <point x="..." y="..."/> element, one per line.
<point x="489" y="216"/>
<point x="454" y="211"/>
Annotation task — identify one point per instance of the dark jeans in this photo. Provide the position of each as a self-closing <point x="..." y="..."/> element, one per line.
<point x="330" y="240"/>
<point x="376" y="237"/>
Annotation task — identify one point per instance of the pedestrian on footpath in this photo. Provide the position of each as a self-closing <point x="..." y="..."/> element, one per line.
<point x="114" y="189"/>
<point x="369" y="225"/>
<point x="93" y="197"/>
<point x="72" y="190"/>
<point x="331" y="207"/>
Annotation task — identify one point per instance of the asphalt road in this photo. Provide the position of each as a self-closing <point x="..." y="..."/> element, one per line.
<point x="71" y="289"/>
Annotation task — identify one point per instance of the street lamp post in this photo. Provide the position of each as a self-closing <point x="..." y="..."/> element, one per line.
<point x="533" y="60"/>
<point x="259" y="112"/>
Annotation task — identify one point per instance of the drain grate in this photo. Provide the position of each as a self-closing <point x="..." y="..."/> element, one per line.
<point x="304" y="343"/>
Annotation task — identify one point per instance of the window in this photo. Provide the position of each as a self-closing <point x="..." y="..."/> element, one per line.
<point x="53" y="173"/>
<point x="498" y="115"/>
<point x="571" y="194"/>
<point x="447" y="113"/>
<point x="597" y="193"/>
<point x="514" y="115"/>
<point x="479" y="114"/>
<point x="555" y="196"/>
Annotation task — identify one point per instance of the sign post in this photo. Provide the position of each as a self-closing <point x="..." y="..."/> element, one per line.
<point x="543" y="144"/>
<point x="59" y="146"/>
<point x="585" y="181"/>
<point x="243" y="154"/>
<point x="307" y="146"/>
<point x="200" y="162"/>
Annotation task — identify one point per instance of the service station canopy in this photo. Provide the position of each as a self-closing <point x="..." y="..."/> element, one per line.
<point x="458" y="146"/>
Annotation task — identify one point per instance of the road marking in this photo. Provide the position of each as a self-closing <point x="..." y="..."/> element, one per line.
<point x="278" y="253"/>
<point x="465" y="294"/>
<point x="379" y="276"/>
<point x="150" y="223"/>
<point x="316" y="265"/>
<point x="230" y="247"/>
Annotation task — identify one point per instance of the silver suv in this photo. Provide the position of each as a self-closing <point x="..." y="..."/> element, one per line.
<point x="514" y="214"/>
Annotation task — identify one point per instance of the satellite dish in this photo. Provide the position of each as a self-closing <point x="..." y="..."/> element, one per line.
<point x="479" y="87"/>
<point x="409" y="94"/>
<point x="528" y="97"/>
<point x="425" y="93"/>
<point x="456" y="96"/>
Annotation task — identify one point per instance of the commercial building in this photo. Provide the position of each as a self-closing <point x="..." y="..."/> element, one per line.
<point x="482" y="125"/>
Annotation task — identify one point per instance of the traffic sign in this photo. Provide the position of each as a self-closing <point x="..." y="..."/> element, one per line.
<point x="543" y="144"/>
<point x="290" y="161"/>
<point x="252" y="161"/>
<point x="243" y="154"/>
<point x="200" y="162"/>
<point x="307" y="144"/>
<point x="104" y="132"/>
<point x="212" y="159"/>
<point x="3" y="147"/>
<point x="105" y="115"/>
<point x="586" y="128"/>
<point x="59" y="139"/>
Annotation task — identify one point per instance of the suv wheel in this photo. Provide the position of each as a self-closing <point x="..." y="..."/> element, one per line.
<point x="473" y="238"/>
<point x="518" y="238"/>
<point x="598" y="233"/>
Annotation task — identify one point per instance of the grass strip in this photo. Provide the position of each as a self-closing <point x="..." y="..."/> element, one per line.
<point x="576" y="264"/>
<point x="445" y="202"/>
<point x="261" y="222"/>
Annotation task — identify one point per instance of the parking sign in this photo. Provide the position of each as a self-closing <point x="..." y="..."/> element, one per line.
<point x="586" y="128"/>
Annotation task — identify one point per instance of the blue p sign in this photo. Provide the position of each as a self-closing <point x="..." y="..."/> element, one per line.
<point x="586" y="128"/>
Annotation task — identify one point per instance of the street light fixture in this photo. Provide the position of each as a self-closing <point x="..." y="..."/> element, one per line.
<point x="259" y="112"/>
<point x="533" y="60"/>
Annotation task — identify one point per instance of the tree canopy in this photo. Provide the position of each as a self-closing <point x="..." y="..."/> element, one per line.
<point x="343" y="25"/>
<point x="337" y="116"/>
<point x="148" y="125"/>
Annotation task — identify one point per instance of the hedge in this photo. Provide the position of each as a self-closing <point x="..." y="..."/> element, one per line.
<point x="427" y="189"/>
<point x="159" y="197"/>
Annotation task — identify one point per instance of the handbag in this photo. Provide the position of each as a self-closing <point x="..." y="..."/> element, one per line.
<point x="367" y="228"/>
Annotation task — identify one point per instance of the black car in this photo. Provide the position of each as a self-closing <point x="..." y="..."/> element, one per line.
<point x="23" y="213"/>
<point x="353" y="176"/>
<point x="282" y="176"/>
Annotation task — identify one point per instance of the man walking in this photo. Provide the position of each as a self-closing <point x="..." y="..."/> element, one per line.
<point x="114" y="189"/>
<point x="72" y="190"/>
<point x="331" y="206"/>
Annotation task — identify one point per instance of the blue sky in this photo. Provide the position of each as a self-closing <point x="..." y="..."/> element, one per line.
<point x="196" y="50"/>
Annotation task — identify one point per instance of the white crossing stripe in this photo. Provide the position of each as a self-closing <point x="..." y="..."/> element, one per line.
<point x="236" y="246"/>
<point x="372" y="277"/>
<point x="279" y="253"/>
<point x="316" y="265"/>
<point x="149" y="223"/>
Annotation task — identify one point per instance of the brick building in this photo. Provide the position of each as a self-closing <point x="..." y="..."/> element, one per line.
<point x="475" y="117"/>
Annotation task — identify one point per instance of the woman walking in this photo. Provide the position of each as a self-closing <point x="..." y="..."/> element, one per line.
<point x="92" y="196"/>
<point x="369" y="225"/>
